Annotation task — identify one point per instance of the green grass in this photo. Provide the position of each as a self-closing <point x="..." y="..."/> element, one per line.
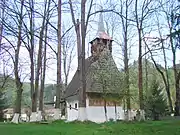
<point x="77" y="128"/>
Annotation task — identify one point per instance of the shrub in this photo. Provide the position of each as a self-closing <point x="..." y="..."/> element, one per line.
<point x="155" y="102"/>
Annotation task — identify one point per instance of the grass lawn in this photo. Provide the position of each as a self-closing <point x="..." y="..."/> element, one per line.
<point x="119" y="128"/>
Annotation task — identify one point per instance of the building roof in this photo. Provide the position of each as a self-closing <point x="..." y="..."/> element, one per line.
<point x="102" y="76"/>
<point x="75" y="84"/>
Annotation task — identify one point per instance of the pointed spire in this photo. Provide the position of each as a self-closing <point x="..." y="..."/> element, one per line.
<point x="101" y="23"/>
<point x="101" y="30"/>
<point x="101" y="33"/>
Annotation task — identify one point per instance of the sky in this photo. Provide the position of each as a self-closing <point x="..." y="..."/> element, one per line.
<point x="92" y="30"/>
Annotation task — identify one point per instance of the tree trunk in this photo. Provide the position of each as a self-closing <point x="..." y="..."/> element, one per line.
<point x="177" y="103"/>
<point x="140" y="78"/>
<point x="78" y="36"/>
<point x="139" y="22"/>
<point x="65" y="63"/>
<point x="79" y="47"/>
<point x="35" y="94"/>
<point x="2" y="20"/>
<point x="39" y="65"/>
<point x="32" y="65"/>
<point x="115" y="110"/>
<point x="19" y="84"/>
<point x="82" y="94"/>
<point x="105" y="111"/>
<point x="17" y="109"/>
<point x="146" y="71"/>
<point x="43" y="68"/>
<point x="126" y="62"/>
<point x="126" y="67"/>
<point x="41" y="94"/>
<point x="18" y="105"/>
<point x="31" y="52"/>
<point x="58" y="87"/>
<point x="81" y="55"/>
<point x="167" y="78"/>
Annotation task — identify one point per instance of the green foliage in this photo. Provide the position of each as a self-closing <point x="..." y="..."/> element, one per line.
<point x="152" y="73"/>
<point x="155" y="102"/>
<point x="49" y="93"/>
<point x="9" y="89"/>
<point x="133" y="75"/>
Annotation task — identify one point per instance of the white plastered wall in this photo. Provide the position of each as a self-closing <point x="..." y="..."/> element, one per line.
<point x="94" y="113"/>
<point x="72" y="113"/>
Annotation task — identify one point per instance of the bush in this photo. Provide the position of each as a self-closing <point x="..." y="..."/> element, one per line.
<point x="155" y="102"/>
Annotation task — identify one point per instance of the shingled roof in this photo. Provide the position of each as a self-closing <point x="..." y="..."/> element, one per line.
<point x="75" y="84"/>
<point x="102" y="76"/>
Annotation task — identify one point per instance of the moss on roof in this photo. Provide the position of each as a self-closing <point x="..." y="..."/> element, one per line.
<point x="102" y="76"/>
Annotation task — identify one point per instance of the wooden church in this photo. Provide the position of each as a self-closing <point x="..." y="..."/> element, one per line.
<point x="103" y="82"/>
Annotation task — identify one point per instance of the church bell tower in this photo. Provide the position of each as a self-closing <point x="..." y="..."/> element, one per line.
<point x="102" y="40"/>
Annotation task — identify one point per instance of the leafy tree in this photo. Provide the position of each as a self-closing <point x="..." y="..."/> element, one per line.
<point x="155" y="103"/>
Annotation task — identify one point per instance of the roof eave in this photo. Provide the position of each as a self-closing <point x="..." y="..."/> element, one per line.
<point x="99" y="38"/>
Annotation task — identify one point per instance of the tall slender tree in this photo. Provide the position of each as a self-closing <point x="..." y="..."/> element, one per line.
<point x="142" y="12"/>
<point x="165" y="76"/>
<point x="168" y="9"/>
<point x="174" y="42"/>
<point x="67" y="54"/>
<point x="81" y="53"/>
<point x="77" y="30"/>
<point x="140" y="78"/>
<point x="59" y="81"/>
<point x="125" y="25"/>
<point x="19" y="84"/>
<point x="2" y="8"/>
<point x="30" y="47"/>
<point x="31" y="51"/>
<point x="38" y="68"/>
<point x="43" y="67"/>
<point x="82" y="96"/>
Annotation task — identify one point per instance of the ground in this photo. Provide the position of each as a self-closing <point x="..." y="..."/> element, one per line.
<point x="76" y="128"/>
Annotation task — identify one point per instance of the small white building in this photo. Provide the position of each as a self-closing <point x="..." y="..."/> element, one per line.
<point x="103" y="83"/>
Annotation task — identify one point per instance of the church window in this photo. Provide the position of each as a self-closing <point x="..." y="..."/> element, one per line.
<point x="76" y="105"/>
<point x="70" y="107"/>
